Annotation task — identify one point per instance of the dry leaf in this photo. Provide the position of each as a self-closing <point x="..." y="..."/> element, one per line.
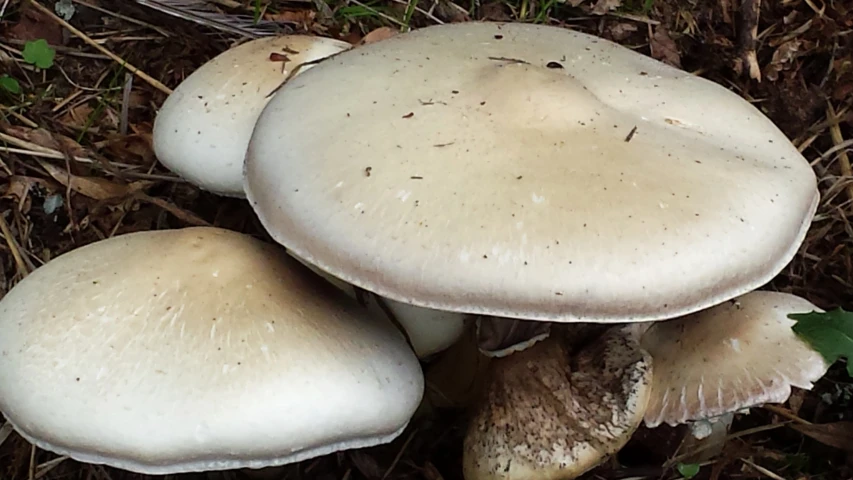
<point x="295" y="16"/>
<point x="19" y="187"/>
<point x="45" y="139"/>
<point x="92" y="187"/>
<point x="621" y="31"/>
<point x="381" y="33"/>
<point x="183" y="215"/>
<point x="34" y="25"/>
<point x="77" y="116"/>
<point x="448" y="11"/>
<point x="664" y="48"/>
<point x="782" y="58"/>
<point x="605" y="6"/>
<point x="838" y="435"/>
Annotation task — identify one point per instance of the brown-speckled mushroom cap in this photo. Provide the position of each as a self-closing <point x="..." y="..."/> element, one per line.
<point x="552" y="413"/>
<point x="528" y="171"/>
<point x="202" y="130"/>
<point x="739" y="354"/>
<point x="197" y="349"/>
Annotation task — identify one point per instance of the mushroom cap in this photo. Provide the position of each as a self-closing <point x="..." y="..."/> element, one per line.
<point x="736" y="355"/>
<point x="531" y="172"/>
<point x="550" y="413"/>
<point x="203" y="128"/>
<point x="197" y="349"/>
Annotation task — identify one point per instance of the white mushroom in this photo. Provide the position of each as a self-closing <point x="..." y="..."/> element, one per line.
<point x="202" y="130"/>
<point x="533" y="173"/>
<point x="527" y="171"/>
<point x="197" y="349"/>
<point x="740" y="354"/>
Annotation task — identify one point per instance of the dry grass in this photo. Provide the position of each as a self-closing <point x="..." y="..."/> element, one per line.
<point x="77" y="166"/>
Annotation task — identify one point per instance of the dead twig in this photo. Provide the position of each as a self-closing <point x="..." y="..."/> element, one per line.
<point x="748" y="36"/>
<point x="150" y="80"/>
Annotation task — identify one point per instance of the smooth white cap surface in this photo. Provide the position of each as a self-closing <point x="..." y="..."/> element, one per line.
<point x="528" y="171"/>
<point x="740" y="354"/>
<point x="197" y="349"/>
<point x="203" y="128"/>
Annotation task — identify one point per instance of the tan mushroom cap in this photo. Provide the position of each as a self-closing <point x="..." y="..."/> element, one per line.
<point x="203" y="128"/>
<point x="528" y="171"/>
<point x="197" y="349"/>
<point x="541" y="418"/>
<point x="740" y="354"/>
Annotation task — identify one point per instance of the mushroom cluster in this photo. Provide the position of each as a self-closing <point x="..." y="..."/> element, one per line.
<point x="602" y="220"/>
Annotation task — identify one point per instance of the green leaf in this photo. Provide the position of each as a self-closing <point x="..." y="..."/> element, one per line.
<point x="10" y="84"/>
<point x="688" y="470"/>
<point x="829" y="333"/>
<point x="39" y="53"/>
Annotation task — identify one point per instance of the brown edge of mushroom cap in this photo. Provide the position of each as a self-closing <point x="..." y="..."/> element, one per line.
<point x="736" y="355"/>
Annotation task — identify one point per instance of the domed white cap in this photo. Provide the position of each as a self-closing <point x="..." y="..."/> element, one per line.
<point x="197" y="349"/>
<point x="527" y="171"/>
<point x="202" y="130"/>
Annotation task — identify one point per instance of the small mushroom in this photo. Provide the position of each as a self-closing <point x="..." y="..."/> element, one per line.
<point x="560" y="408"/>
<point x="554" y="413"/>
<point x="197" y="349"/>
<point x="737" y="355"/>
<point x="202" y="130"/>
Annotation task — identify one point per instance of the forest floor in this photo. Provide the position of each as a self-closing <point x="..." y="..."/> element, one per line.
<point x="76" y="166"/>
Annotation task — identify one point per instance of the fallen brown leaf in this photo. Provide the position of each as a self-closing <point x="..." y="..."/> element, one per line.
<point x="77" y="116"/>
<point x="92" y="187"/>
<point x="43" y="138"/>
<point x="838" y="434"/>
<point x="299" y="17"/>
<point x="34" y="25"/>
<point x="621" y="30"/>
<point x="183" y="215"/>
<point x="379" y="34"/>
<point x="664" y="48"/>
<point x="782" y="58"/>
<point x="602" y="7"/>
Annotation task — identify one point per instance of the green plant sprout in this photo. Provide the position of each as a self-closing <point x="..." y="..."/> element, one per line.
<point x="39" y="53"/>
<point x="9" y="84"/>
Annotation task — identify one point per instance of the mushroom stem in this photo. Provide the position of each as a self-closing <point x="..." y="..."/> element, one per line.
<point x="554" y="411"/>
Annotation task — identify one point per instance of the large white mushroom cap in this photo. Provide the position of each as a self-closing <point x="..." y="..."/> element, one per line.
<point x="528" y="171"/>
<point x="202" y="130"/>
<point x="197" y="349"/>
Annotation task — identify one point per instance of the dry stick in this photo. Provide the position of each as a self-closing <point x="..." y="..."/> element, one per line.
<point x="761" y="469"/>
<point x="787" y="414"/>
<point x="750" y="11"/>
<point x="13" y="246"/>
<point x="838" y="140"/>
<point x="151" y="81"/>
